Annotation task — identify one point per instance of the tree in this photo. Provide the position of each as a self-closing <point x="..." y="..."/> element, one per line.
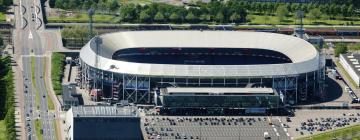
<point x="314" y="14"/>
<point x="220" y="17"/>
<point x="1" y="41"/>
<point x="281" y="12"/>
<point x="112" y="5"/>
<point x="59" y="4"/>
<point x="73" y="4"/>
<point x="234" y="17"/>
<point x="174" y="17"/>
<point x="205" y="17"/>
<point x="127" y="12"/>
<point x="159" y="17"/>
<point x="340" y="49"/>
<point x="144" y="16"/>
<point x="190" y="17"/>
<point x="350" y="11"/>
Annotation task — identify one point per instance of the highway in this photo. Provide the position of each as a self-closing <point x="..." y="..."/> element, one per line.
<point x="28" y="48"/>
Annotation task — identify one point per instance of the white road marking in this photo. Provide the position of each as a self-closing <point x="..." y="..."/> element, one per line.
<point x="288" y="134"/>
<point x="277" y="134"/>
<point x="30" y="35"/>
<point x="275" y="129"/>
<point x="285" y="129"/>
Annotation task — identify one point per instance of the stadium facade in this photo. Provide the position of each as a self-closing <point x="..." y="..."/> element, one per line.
<point x="137" y="66"/>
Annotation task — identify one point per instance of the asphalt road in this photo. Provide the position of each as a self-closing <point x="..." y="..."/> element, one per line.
<point x="28" y="44"/>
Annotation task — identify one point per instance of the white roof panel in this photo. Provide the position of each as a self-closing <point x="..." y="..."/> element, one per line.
<point x="304" y="56"/>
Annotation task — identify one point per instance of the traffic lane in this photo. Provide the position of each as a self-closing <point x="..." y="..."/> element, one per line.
<point x="29" y="96"/>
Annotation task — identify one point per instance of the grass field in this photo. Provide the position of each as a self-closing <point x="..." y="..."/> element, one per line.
<point x="262" y="19"/>
<point x="48" y="98"/>
<point x="83" y="18"/>
<point x="37" y="94"/>
<point x="2" y="130"/>
<point x="351" y="132"/>
<point x="37" y="129"/>
<point x="2" y="17"/>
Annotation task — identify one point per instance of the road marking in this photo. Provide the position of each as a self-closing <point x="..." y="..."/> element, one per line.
<point x="275" y="130"/>
<point x="288" y="134"/>
<point x="30" y="35"/>
<point x="277" y="134"/>
<point x="285" y="129"/>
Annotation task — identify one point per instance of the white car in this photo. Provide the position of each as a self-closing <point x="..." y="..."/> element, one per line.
<point x="27" y="118"/>
<point x="266" y="135"/>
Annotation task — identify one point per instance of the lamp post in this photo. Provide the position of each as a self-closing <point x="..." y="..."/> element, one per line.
<point x="91" y="12"/>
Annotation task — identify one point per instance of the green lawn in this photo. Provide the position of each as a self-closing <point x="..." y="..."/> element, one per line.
<point x="263" y="19"/>
<point x="48" y="98"/>
<point x="2" y="130"/>
<point x="2" y="17"/>
<point x="57" y="70"/>
<point x="83" y="18"/>
<point x="352" y="132"/>
<point x="37" y="129"/>
<point x="37" y="94"/>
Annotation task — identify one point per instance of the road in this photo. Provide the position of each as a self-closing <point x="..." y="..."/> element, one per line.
<point x="28" y="48"/>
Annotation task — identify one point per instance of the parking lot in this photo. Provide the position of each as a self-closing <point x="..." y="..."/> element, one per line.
<point x="212" y="128"/>
<point x="318" y="121"/>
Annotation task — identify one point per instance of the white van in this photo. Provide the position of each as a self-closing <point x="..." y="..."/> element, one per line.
<point x="266" y="135"/>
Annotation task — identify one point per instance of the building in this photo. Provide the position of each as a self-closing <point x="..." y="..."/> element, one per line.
<point x="103" y="122"/>
<point x="350" y="62"/>
<point x="135" y="65"/>
<point x="70" y="97"/>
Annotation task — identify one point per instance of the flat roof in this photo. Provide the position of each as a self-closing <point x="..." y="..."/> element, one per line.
<point x="104" y="111"/>
<point x="216" y="90"/>
<point x="303" y="54"/>
<point x="68" y="90"/>
<point x="353" y="60"/>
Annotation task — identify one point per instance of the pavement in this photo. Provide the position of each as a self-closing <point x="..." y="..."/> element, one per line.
<point x="305" y="114"/>
<point x="213" y="128"/>
<point x="28" y="43"/>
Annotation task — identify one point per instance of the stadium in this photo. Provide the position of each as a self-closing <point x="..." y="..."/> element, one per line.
<point x="202" y="69"/>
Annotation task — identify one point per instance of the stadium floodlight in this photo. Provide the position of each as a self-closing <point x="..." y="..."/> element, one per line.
<point x="91" y="12"/>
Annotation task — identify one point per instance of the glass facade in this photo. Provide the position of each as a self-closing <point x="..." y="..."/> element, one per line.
<point x="220" y="101"/>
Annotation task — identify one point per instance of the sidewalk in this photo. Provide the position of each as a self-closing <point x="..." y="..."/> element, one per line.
<point x="58" y="120"/>
<point x="19" y="103"/>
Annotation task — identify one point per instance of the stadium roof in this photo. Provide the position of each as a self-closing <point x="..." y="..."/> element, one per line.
<point x="303" y="55"/>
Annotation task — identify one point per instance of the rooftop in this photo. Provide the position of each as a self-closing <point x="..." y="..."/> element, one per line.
<point x="104" y="111"/>
<point x="353" y="60"/>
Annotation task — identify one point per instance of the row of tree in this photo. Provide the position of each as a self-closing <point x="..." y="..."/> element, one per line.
<point x="4" y="4"/>
<point x="159" y="13"/>
<point x="99" y="5"/>
<point x="7" y="109"/>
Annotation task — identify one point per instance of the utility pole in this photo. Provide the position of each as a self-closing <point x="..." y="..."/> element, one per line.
<point x="300" y="30"/>
<point x="91" y="12"/>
